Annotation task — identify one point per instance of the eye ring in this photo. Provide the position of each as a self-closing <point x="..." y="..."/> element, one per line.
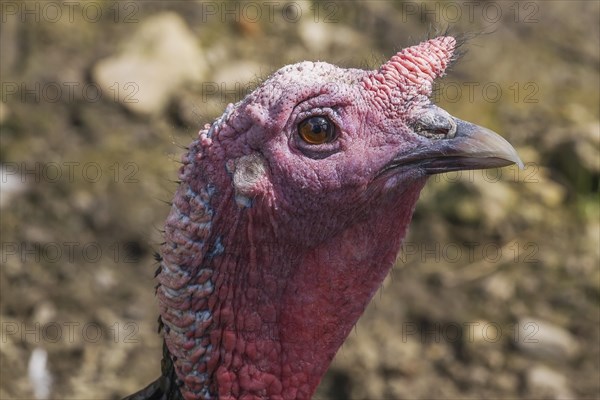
<point x="317" y="129"/>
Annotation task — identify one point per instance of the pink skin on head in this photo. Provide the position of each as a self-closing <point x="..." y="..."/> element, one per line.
<point x="273" y="246"/>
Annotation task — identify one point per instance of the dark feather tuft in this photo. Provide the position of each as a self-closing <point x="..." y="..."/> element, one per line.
<point x="166" y="387"/>
<point x="161" y="324"/>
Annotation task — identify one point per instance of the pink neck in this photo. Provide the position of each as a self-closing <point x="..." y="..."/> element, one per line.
<point x="282" y="317"/>
<point x="256" y="317"/>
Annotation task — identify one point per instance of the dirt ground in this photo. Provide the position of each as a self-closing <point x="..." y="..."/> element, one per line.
<point x="496" y="294"/>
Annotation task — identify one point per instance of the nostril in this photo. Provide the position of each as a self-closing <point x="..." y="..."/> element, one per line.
<point x="440" y="131"/>
<point x="434" y="125"/>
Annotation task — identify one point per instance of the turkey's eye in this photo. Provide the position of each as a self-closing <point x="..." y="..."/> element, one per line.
<point x="316" y="130"/>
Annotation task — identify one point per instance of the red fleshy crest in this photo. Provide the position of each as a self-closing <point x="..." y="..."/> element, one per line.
<point x="420" y="64"/>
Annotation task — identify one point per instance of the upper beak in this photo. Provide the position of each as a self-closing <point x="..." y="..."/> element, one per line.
<point x="471" y="147"/>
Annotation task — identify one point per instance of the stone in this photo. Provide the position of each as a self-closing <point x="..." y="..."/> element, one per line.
<point x="499" y="287"/>
<point x="13" y="183"/>
<point x="39" y="376"/>
<point x="159" y="58"/>
<point x="543" y="382"/>
<point x="545" y="340"/>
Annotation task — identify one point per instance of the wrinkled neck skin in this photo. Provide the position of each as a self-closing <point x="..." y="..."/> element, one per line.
<point x="249" y="317"/>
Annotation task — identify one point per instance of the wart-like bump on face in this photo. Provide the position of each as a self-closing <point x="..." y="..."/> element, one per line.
<point x="250" y="173"/>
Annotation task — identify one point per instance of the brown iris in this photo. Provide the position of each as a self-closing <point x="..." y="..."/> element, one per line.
<point x="316" y="130"/>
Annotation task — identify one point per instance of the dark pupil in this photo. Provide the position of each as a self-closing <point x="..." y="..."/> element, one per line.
<point x="318" y="124"/>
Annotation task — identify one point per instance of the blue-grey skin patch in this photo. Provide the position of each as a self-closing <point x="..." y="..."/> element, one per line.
<point x="243" y="201"/>
<point x="217" y="249"/>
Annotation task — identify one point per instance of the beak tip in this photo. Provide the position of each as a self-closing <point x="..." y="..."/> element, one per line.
<point x="514" y="156"/>
<point x="515" y="159"/>
<point x="520" y="164"/>
<point x="492" y="144"/>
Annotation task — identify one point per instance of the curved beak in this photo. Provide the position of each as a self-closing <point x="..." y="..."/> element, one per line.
<point x="472" y="147"/>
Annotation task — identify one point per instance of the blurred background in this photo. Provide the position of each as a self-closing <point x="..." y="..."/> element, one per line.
<point x="497" y="291"/>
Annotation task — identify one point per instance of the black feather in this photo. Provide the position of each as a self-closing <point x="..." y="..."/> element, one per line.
<point x="166" y="387"/>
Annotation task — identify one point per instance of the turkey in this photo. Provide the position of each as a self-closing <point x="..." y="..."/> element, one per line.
<point x="291" y="210"/>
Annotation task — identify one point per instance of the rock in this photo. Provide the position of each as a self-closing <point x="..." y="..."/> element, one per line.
<point x="499" y="286"/>
<point x="45" y="313"/>
<point x="543" y="382"/>
<point x="13" y="183"/>
<point x="545" y="340"/>
<point x="160" y="57"/>
<point x="39" y="376"/>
